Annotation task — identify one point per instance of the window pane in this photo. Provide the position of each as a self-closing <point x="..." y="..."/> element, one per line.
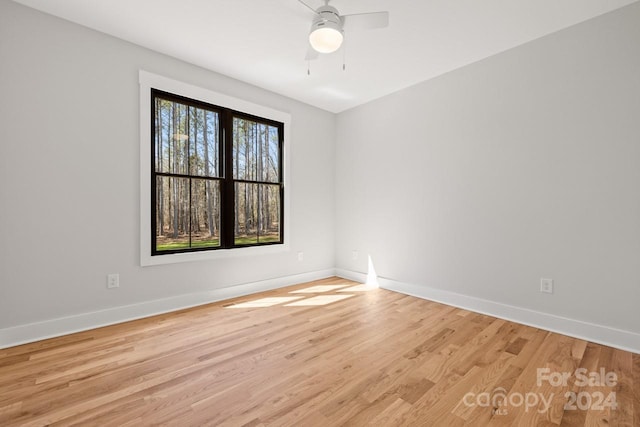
<point x="172" y="213"/>
<point x="246" y="232"/>
<point x="187" y="214"/>
<point x="204" y="144"/>
<point x="171" y="138"/>
<point x="256" y="151"/>
<point x="257" y="213"/>
<point x="269" y="218"/>
<point x="205" y="213"/>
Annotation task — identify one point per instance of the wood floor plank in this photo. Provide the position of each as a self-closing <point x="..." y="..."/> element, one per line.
<point x="369" y="357"/>
<point x="622" y="364"/>
<point x="590" y="359"/>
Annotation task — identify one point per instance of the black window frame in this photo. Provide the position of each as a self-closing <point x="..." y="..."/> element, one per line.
<point x="225" y="175"/>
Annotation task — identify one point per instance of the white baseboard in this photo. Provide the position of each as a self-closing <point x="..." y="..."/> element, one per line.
<point x="612" y="337"/>
<point x="31" y="332"/>
<point x="600" y="334"/>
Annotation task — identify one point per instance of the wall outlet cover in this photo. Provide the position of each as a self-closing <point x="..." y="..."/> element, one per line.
<point x="546" y="285"/>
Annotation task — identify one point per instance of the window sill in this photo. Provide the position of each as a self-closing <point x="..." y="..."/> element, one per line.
<point x="149" y="260"/>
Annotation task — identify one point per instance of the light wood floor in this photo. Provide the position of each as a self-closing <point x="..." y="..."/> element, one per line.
<point x="373" y="357"/>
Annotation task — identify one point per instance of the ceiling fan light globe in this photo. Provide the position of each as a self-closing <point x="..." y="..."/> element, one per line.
<point x="326" y="39"/>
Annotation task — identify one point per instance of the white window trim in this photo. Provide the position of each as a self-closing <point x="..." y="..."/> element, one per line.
<point x="147" y="82"/>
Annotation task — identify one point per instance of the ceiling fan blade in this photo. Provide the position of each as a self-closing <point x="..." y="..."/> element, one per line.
<point x="311" y="54"/>
<point x="365" y="21"/>
<point x="308" y="7"/>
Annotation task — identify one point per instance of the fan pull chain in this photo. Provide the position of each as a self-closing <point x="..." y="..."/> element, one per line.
<point x="308" y="68"/>
<point x="344" y="56"/>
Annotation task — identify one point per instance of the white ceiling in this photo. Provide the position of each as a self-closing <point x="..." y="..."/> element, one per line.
<point x="264" y="42"/>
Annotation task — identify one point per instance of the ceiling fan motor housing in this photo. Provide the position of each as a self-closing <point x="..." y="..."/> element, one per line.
<point x="327" y="14"/>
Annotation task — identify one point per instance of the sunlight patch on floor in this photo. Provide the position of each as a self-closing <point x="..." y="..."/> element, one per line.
<point x="318" y="300"/>
<point x="264" y="302"/>
<point x="318" y="289"/>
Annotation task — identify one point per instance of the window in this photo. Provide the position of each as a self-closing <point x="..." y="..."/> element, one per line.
<point x="214" y="184"/>
<point x="216" y="177"/>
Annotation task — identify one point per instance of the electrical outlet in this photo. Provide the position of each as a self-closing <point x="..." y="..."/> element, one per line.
<point x="113" y="281"/>
<point x="354" y="255"/>
<point x="300" y="256"/>
<point x="546" y="286"/>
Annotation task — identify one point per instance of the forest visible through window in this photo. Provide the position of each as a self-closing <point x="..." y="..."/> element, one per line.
<point x="217" y="177"/>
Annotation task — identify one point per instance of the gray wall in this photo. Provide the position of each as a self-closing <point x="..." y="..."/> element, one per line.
<point x="521" y="166"/>
<point x="70" y="174"/>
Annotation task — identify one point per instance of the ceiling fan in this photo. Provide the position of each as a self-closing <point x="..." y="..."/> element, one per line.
<point x="328" y="27"/>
